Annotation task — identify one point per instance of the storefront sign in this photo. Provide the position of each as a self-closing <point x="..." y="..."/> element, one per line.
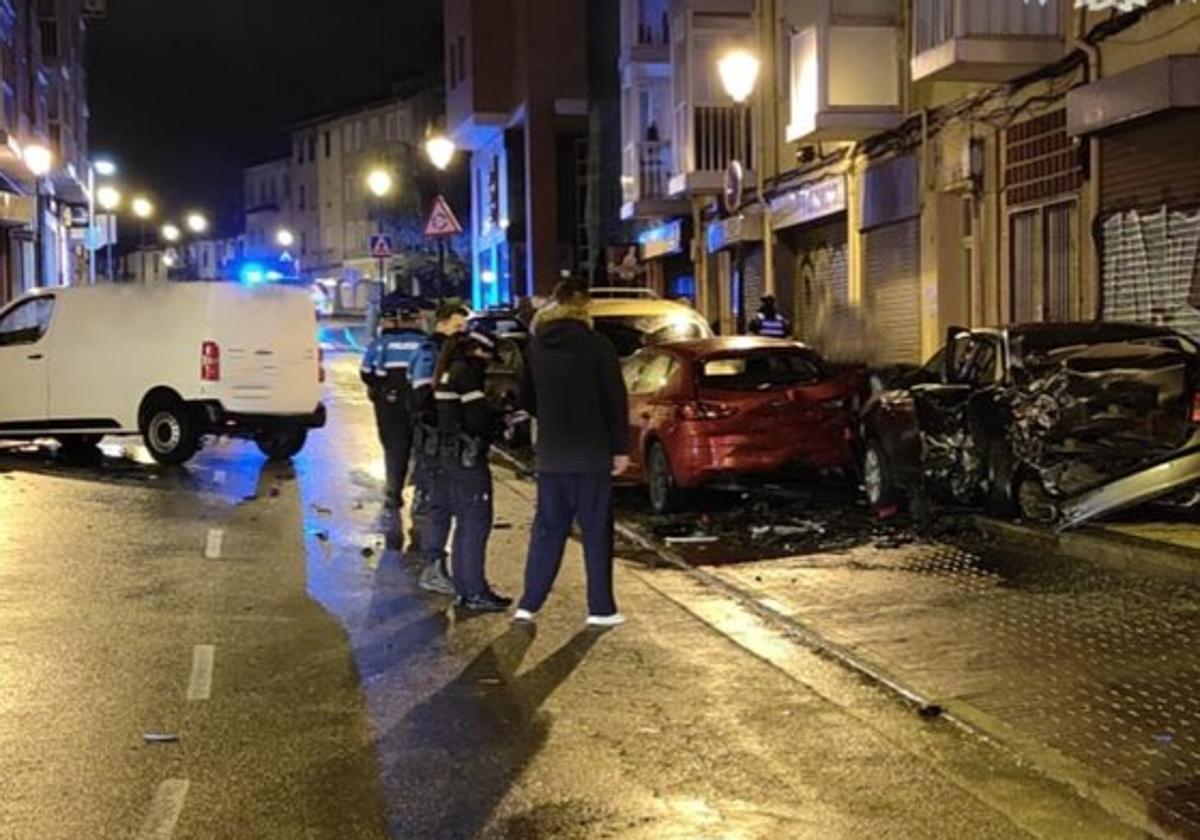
<point x="662" y="241"/>
<point x="728" y="232"/>
<point x="812" y="201"/>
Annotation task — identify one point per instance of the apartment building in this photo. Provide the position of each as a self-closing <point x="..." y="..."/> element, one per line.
<point x="43" y="86"/>
<point x="322" y="192"/>
<point x="917" y="164"/>
<point x="267" y="202"/>
<point x="517" y="102"/>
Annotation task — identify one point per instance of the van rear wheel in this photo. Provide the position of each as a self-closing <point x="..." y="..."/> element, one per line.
<point x="169" y="432"/>
<point x="282" y="444"/>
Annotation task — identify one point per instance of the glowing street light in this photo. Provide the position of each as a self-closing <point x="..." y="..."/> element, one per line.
<point x="440" y="150"/>
<point x="104" y="168"/>
<point x="285" y="238"/>
<point x="143" y="208"/>
<point x="197" y="222"/>
<point x="39" y="159"/>
<point x="739" y="74"/>
<point x="380" y="182"/>
<point x="109" y="198"/>
<point x="171" y="232"/>
<point x="168" y="259"/>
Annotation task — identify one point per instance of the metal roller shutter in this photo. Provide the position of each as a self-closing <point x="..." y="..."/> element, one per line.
<point x="752" y="279"/>
<point x="893" y="278"/>
<point x="1151" y="164"/>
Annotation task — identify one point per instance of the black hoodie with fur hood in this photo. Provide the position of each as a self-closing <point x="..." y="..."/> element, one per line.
<point x="573" y="386"/>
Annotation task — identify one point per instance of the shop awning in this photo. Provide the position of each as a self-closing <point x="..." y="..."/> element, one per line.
<point x="725" y="233"/>
<point x="1151" y="88"/>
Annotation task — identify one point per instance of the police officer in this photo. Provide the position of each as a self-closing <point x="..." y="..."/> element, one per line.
<point x="431" y="505"/>
<point x="386" y="370"/>
<point x="768" y="322"/>
<point x="465" y="432"/>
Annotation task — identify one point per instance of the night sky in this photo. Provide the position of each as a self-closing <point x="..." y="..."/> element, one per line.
<point x="185" y="93"/>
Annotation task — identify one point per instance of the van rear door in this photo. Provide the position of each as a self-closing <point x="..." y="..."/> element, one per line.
<point x="266" y="350"/>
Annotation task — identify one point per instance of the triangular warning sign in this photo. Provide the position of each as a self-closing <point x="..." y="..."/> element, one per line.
<point x="442" y="221"/>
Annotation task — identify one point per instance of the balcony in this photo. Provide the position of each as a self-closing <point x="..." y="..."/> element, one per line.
<point x="984" y="41"/>
<point x="707" y="130"/>
<point x="645" y="176"/>
<point x="645" y="31"/>
<point x="845" y="71"/>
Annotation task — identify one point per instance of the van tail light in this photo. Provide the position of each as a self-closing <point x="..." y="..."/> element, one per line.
<point x="210" y="362"/>
<point x="1196" y="408"/>
<point x="320" y="364"/>
<point x="705" y="411"/>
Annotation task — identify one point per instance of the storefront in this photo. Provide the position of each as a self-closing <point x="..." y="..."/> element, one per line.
<point x="664" y="253"/>
<point x="736" y="243"/>
<point x="812" y="276"/>
<point x="1148" y="227"/>
<point x="891" y="229"/>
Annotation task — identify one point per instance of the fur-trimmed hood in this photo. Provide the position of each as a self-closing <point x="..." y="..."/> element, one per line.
<point x="557" y="313"/>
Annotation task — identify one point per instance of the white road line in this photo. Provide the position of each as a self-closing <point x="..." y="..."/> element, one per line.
<point x="164" y="811"/>
<point x="212" y="547"/>
<point x="200" y="685"/>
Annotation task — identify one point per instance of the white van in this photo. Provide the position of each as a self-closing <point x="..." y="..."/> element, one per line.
<point x="173" y="363"/>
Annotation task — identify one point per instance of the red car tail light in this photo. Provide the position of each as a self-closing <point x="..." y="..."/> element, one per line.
<point x="706" y="411"/>
<point x="320" y="364"/>
<point x="210" y="361"/>
<point x="1196" y="408"/>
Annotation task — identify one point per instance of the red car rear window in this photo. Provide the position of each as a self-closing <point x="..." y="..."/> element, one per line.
<point x="759" y="371"/>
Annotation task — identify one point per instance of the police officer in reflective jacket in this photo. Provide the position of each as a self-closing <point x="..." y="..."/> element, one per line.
<point x="387" y="370"/>
<point x="465" y="433"/>
<point x="431" y="505"/>
<point x="768" y="322"/>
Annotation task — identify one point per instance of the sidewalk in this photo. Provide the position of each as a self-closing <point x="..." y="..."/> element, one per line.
<point x="1091" y="673"/>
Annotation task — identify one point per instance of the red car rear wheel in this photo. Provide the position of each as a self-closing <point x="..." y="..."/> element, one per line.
<point x="665" y="495"/>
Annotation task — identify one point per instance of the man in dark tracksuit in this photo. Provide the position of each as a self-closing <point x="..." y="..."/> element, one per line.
<point x="573" y="386"/>
<point x="431" y="505"/>
<point x="465" y="432"/>
<point x="386" y="369"/>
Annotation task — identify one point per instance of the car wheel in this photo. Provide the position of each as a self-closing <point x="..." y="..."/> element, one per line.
<point x="877" y="476"/>
<point x="665" y="495"/>
<point x="1001" y="493"/>
<point x="169" y="432"/>
<point x="282" y="444"/>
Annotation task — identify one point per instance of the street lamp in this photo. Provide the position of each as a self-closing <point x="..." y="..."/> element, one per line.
<point x="109" y="198"/>
<point x="143" y="209"/>
<point x="105" y="169"/>
<point x="738" y="70"/>
<point x="171" y="233"/>
<point x="285" y="238"/>
<point x="40" y="160"/>
<point x="380" y="183"/>
<point x="197" y="223"/>
<point x="440" y="150"/>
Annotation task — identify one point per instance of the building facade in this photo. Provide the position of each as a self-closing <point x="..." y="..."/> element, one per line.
<point x="267" y="201"/>
<point x="43" y="84"/>
<point x="517" y="101"/>
<point x="917" y="164"/>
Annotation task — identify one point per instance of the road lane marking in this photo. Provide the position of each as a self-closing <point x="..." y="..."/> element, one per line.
<point x="164" y="811"/>
<point x="212" y="547"/>
<point x="200" y="685"/>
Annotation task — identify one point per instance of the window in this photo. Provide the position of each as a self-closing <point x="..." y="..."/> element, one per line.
<point x="462" y="57"/>
<point x="302" y="197"/>
<point x="760" y="372"/>
<point x="375" y="128"/>
<point x="27" y="323"/>
<point x="452" y="71"/>
<point x="49" y="32"/>
<point x="389" y="127"/>
<point x="328" y="144"/>
<point x="312" y="147"/>
<point x="358" y="136"/>
<point x="654" y="374"/>
<point x="347" y="137"/>
<point x="1044" y="257"/>
<point x="303" y="242"/>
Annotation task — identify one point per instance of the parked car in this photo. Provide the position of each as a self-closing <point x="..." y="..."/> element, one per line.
<point x="633" y="323"/>
<point x="707" y="411"/>
<point x="1038" y="420"/>
<point x="173" y="363"/>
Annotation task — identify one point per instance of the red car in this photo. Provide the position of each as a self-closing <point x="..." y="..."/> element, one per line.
<point x="707" y="411"/>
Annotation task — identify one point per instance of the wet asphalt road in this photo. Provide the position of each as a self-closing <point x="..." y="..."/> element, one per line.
<point x="308" y="690"/>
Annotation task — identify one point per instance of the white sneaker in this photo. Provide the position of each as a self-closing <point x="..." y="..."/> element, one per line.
<point x="523" y="615"/>
<point x="614" y="620"/>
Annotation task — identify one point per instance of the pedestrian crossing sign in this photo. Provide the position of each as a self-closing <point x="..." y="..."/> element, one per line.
<point x="442" y="221"/>
<point x="381" y="245"/>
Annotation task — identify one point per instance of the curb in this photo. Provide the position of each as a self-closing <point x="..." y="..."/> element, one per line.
<point x="1121" y="552"/>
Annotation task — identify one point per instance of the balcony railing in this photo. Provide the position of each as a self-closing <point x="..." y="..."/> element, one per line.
<point x="718" y="140"/>
<point x="647" y="170"/>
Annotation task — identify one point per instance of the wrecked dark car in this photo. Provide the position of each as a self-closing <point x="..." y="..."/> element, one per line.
<point x="1056" y="423"/>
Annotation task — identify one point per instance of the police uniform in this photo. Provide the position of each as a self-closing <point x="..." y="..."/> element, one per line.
<point x="465" y="432"/>
<point x="431" y="504"/>
<point x="386" y="369"/>
<point x="769" y="323"/>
